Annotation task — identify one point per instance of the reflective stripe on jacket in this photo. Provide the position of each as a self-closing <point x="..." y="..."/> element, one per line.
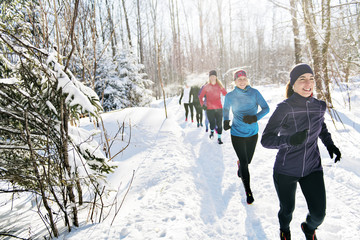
<point x="296" y="114"/>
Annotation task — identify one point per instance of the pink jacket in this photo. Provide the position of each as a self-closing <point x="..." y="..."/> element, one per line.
<point x="213" y="96"/>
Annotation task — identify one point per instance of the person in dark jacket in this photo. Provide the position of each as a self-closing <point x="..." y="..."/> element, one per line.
<point x="204" y="108"/>
<point x="194" y="94"/>
<point x="244" y="102"/>
<point x="294" y="129"/>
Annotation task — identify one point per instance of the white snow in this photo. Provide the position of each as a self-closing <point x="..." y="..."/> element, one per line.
<point x="186" y="187"/>
<point x="51" y="106"/>
<point x="78" y="94"/>
<point x="9" y="80"/>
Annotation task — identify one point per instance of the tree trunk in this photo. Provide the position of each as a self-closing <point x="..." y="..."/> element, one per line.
<point x="112" y="35"/>
<point x="175" y="54"/>
<point x="326" y="25"/>
<point x="179" y="52"/>
<point x="189" y="44"/>
<point x="159" y="75"/>
<point x="221" y="35"/>
<point x="140" y="36"/>
<point x="201" y="26"/>
<point x="65" y="158"/>
<point x="314" y="47"/>
<point x="231" y="57"/>
<point x="44" y="24"/>
<point x="57" y="30"/>
<point x="121" y="28"/>
<point x="295" y="27"/>
<point x="101" y="24"/>
<point x="39" y="179"/>
<point x="153" y="13"/>
<point x="346" y="80"/>
<point x="127" y="24"/>
<point x="94" y="42"/>
<point x="260" y="31"/>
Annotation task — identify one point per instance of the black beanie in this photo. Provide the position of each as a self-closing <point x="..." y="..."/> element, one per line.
<point x="212" y="72"/>
<point x="299" y="70"/>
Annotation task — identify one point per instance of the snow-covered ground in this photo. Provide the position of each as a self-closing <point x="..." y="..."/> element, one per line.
<point x="185" y="185"/>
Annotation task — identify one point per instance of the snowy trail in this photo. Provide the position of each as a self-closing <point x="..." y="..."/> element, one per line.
<point x="186" y="186"/>
<point x="210" y="187"/>
<point x="201" y="197"/>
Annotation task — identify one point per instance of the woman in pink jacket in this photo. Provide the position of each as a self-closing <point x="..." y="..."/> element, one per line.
<point x="213" y="91"/>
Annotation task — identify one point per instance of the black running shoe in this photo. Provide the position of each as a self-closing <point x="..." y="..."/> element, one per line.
<point x="219" y="141"/>
<point x="211" y="136"/>
<point x="309" y="234"/>
<point x="285" y="235"/>
<point x="249" y="197"/>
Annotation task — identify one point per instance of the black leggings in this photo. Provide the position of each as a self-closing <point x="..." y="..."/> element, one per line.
<point x="199" y="112"/>
<point x="245" y="148"/>
<point x="187" y="106"/>
<point x="215" y="119"/>
<point x="313" y="188"/>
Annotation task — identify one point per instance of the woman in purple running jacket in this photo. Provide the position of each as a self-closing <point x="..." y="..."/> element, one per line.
<point x="294" y="129"/>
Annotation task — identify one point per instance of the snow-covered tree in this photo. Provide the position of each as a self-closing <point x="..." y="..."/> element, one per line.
<point x="39" y="151"/>
<point x="122" y="82"/>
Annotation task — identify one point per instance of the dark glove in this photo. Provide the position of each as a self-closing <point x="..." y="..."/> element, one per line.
<point x="180" y="102"/>
<point x="333" y="149"/>
<point x="250" y="119"/>
<point x="204" y="107"/>
<point x="227" y="125"/>
<point x="298" y="138"/>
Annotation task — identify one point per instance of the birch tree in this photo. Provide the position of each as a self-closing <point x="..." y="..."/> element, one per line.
<point x="221" y="47"/>
<point x="296" y="31"/>
<point x="127" y="23"/>
<point x="309" y="19"/>
<point x="140" y="32"/>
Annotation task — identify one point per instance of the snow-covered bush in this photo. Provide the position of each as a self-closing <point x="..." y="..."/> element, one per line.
<point x="122" y="82"/>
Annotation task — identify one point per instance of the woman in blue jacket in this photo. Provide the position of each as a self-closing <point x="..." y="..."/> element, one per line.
<point x="294" y="129"/>
<point x="244" y="101"/>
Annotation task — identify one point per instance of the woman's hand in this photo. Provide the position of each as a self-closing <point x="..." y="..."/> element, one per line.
<point x="333" y="149"/>
<point x="249" y="119"/>
<point x="227" y="125"/>
<point x="298" y="138"/>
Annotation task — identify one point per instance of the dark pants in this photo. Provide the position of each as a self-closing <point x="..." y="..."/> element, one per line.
<point x="199" y="112"/>
<point x="313" y="188"/>
<point x="215" y="119"/>
<point x="187" y="106"/>
<point x="245" y="148"/>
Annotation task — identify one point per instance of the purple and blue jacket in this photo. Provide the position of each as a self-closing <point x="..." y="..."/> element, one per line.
<point x="296" y="114"/>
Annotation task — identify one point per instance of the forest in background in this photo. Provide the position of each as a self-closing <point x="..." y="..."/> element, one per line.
<point x="173" y="38"/>
<point x="60" y="59"/>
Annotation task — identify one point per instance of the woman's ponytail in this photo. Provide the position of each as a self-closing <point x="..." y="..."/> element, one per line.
<point x="289" y="90"/>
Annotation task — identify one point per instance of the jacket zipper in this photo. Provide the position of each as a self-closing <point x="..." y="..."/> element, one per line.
<point x="307" y="138"/>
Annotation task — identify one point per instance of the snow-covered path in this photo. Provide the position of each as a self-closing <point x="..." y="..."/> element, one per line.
<point x="186" y="187"/>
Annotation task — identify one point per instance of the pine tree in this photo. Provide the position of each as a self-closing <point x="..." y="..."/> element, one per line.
<point x="39" y="151"/>
<point x="122" y="83"/>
